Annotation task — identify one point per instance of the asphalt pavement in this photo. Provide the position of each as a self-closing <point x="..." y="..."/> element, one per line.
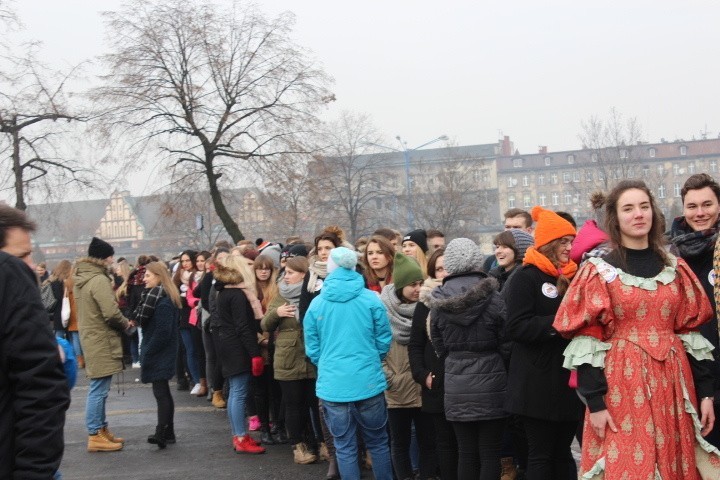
<point x="203" y="449"/>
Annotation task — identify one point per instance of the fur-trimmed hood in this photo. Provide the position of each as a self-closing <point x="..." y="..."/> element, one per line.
<point x="228" y="276"/>
<point x="89" y="267"/>
<point x="464" y="297"/>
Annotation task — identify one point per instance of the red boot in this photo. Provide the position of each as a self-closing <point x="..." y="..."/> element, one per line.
<point x="245" y="444"/>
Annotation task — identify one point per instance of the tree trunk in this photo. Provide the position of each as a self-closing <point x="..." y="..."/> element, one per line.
<point x="230" y="225"/>
<point x="17" y="169"/>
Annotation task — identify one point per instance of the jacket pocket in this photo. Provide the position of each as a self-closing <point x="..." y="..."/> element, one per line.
<point x="285" y="352"/>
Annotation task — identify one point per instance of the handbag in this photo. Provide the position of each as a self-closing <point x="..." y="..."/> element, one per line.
<point x="65" y="312"/>
<point x="48" y="297"/>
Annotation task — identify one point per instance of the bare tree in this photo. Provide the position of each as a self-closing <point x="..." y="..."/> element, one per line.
<point x="348" y="177"/>
<point x="35" y="111"/>
<point x="219" y="90"/>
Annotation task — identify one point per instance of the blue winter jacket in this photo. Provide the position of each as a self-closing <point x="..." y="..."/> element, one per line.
<point x="347" y="335"/>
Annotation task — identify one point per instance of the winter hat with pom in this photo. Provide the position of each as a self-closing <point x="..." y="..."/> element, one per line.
<point x="463" y="255"/>
<point x="341" y="257"/>
<point x="550" y="226"/>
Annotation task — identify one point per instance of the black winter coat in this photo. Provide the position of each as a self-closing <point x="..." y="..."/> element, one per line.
<point x="160" y="342"/>
<point x="58" y="289"/>
<point x="33" y="389"/>
<point x="237" y="332"/>
<point x="537" y="382"/>
<point x="467" y="325"/>
<point x="424" y="361"/>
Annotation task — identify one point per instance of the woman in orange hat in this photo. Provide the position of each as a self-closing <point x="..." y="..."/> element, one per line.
<point x="538" y="390"/>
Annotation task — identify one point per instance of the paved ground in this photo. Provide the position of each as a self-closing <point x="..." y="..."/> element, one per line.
<point x="203" y="446"/>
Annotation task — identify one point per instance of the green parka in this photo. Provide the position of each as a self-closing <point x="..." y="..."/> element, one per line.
<point x="100" y="321"/>
<point x="289" y="362"/>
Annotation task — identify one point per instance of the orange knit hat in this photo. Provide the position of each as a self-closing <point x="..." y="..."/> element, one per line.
<point x="550" y="226"/>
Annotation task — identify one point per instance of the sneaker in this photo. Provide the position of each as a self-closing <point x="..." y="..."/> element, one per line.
<point x="195" y="389"/>
<point x="254" y="423"/>
<point x="136" y="365"/>
<point x="245" y="444"/>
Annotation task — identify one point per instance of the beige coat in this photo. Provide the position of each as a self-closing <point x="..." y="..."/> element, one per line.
<point x="100" y="321"/>
<point x="402" y="391"/>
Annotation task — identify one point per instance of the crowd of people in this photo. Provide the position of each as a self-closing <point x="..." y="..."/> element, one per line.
<point x="407" y="355"/>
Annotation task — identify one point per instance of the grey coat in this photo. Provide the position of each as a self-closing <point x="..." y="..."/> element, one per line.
<point x="467" y="326"/>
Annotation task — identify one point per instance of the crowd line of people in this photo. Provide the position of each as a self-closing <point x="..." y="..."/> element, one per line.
<point x="400" y="353"/>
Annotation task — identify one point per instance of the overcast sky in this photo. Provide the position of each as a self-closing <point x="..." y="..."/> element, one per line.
<point x="472" y="69"/>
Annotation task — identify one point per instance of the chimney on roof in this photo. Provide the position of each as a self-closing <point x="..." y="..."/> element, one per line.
<point x="506" y="146"/>
<point x="542" y="149"/>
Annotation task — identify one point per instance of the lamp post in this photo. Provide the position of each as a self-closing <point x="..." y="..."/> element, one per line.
<point x="408" y="184"/>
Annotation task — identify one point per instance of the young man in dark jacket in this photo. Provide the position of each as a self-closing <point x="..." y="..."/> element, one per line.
<point x="33" y="390"/>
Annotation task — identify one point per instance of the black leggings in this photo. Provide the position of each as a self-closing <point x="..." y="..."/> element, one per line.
<point x="446" y="446"/>
<point x="549" y="456"/>
<point x="401" y="420"/>
<point x="165" y="404"/>
<point x="299" y="397"/>
<point x="212" y="363"/>
<point x="479" y="449"/>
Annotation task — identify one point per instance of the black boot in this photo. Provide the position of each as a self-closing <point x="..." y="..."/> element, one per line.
<point x="170" y="434"/>
<point x="159" y="437"/>
<point x="266" y="438"/>
<point x="332" y="473"/>
<point x="281" y="436"/>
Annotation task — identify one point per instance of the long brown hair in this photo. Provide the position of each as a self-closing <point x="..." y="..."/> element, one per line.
<point x="159" y="269"/>
<point x="656" y="238"/>
<point x="549" y="250"/>
<point x="61" y="272"/>
<point x="387" y="250"/>
<point x="268" y="289"/>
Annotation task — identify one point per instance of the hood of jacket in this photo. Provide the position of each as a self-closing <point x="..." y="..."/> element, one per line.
<point x="342" y="285"/>
<point x="87" y="268"/>
<point x="464" y="297"/>
<point x="589" y="237"/>
<point x="228" y="276"/>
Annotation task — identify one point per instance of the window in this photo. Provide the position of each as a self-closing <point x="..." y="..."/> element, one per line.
<point x="568" y="199"/>
<point x="542" y="198"/>
<point x="526" y="181"/>
<point x="576" y="198"/>
<point x="476" y="176"/>
<point x="691" y="168"/>
<point x="511" y="201"/>
<point x="676" y="169"/>
<point x="576" y="176"/>
<point x="566" y="177"/>
<point x="646" y="171"/>
<point x="713" y="166"/>
<point x="660" y="170"/>
<point x="517" y="162"/>
<point x="683" y="150"/>
<point x="623" y="153"/>
<point x="485" y="175"/>
<point x="554" y="179"/>
<point x="676" y="189"/>
<point x="510" y="183"/>
<point x="651" y="152"/>
<point x="588" y="176"/>
<point x="541" y="179"/>
<point x="548" y="161"/>
<point x="571" y="159"/>
<point x="527" y="202"/>
<point x="661" y="191"/>
<point x="594" y="157"/>
<point x="555" y="199"/>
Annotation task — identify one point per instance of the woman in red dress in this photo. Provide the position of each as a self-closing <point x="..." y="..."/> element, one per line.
<point x="641" y="363"/>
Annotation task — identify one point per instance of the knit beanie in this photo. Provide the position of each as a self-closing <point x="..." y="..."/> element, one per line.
<point x="100" y="249"/>
<point x="419" y="237"/>
<point x="463" y="255"/>
<point x="341" y="257"/>
<point x="523" y="241"/>
<point x="550" y="226"/>
<point x="406" y="270"/>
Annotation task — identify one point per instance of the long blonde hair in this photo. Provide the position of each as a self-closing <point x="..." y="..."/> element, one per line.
<point x="239" y="264"/>
<point x="166" y="281"/>
<point x="123" y="270"/>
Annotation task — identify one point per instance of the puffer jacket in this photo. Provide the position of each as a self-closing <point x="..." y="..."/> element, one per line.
<point x="100" y="321"/>
<point x="467" y="325"/>
<point x="160" y="342"/>
<point x="289" y="362"/>
<point x="347" y="334"/>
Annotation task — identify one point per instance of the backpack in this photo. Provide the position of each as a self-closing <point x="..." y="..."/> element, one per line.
<point x="48" y="297"/>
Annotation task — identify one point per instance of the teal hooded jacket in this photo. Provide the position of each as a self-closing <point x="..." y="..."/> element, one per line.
<point x="347" y="335"/>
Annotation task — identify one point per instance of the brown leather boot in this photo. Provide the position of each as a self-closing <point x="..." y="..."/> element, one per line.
<point x="302" y="456"/>
<point x="509" y="472"/>
<point x="217" y="399"/>
<point x="105" y="431"/>
<point x="80" y="361"/>
<point x="203" y="388"/>
<point x="101" y="443"/>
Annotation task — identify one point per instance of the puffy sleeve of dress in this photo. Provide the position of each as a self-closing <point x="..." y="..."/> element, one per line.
<point x="695" y="309"/>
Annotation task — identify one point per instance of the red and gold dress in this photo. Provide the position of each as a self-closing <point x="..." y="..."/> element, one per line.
<point x="639" y="330"/>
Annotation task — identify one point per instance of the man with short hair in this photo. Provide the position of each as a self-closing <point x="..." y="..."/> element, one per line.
<point x="101" y="325"/>
<point x="693" y="237"/>
<point x="435" y="240"/>
<point x="518" y="218"/>
<point x="33" y="389"/>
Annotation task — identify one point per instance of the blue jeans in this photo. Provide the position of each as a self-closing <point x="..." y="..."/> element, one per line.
<point x="237" y="395"/>
<point x="74" y="339"/>
<point x="95" y="407"/>
<point x="370" y="416"/>
<point x="190" y="354"/>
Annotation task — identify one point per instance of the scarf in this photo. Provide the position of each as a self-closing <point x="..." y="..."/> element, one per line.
<point x="533" y="257"/>
<point x="687" y="243"/>
<point x="146" y="308"/>
<point x="138" y="276"/>
<point x="318" y="271"/>
<point x="253" y="299"/>
<point x="400" y="314"/>
<point x="291" y="292"/>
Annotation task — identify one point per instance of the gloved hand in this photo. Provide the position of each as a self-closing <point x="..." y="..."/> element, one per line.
<point x="257" y="366"/>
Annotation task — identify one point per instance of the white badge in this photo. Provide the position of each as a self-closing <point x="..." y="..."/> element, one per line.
<point x="711" y="277"/>
<point x="607" y="271"/>
<point x="318" y="285"/>
<point x="549" y="290"/>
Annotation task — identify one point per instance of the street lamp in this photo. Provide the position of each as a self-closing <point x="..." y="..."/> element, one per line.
<point x="408" y="185"/>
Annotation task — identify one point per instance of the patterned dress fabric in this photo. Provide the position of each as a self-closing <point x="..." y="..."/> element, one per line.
<point x="651" y="394"/>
